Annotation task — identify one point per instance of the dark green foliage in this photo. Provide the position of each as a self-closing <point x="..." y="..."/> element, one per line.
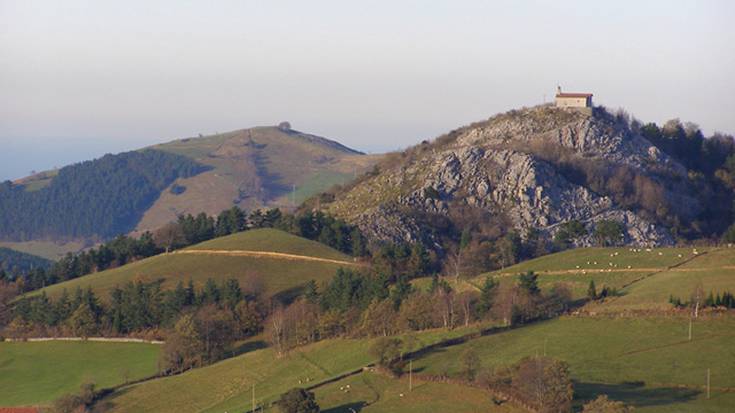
<point x="608" y="233"/>
<point x="98" y="199"/>
<point x="350" y="289"/>
<point x="118" y="251"/>
<point x="569" y="232"/>
<point x="298" y="401"/>
<point x="592" y="290"/>
<point x="138" y="306"/>
<point x="726" y="299"/>
<point x="487" y="296"/>
<point x="529" y="283"/>
<point x="17" y="263"/>
<point x="729" y="235"/>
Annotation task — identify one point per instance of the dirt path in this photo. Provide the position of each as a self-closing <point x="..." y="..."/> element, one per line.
<point x="267" y="254"/>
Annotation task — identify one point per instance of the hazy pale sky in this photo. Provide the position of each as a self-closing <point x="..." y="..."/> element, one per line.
<point x="81" y="78"/>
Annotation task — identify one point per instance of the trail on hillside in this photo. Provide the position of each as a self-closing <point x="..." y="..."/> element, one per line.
<point x="267" y="254"/>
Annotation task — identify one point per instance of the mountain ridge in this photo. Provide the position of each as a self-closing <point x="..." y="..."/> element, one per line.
<point x="535" y="169"/>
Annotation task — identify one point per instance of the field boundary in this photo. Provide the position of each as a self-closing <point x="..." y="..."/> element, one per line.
<point x="266" y="254"/>
<point x="93" y="339"/>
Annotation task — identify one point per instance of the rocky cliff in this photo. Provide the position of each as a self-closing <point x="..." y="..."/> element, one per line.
<point x="521" y="165"/>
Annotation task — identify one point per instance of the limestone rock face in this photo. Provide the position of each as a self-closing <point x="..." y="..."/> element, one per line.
<point x="492" y="166"/>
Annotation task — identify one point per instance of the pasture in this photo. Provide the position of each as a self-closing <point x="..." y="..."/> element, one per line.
<point x="271" y="275"/>
<point x="649" y="363"/>
<point x="36" y="373"/>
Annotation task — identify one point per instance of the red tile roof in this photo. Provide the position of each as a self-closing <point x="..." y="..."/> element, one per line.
<point x="574" y="95"/>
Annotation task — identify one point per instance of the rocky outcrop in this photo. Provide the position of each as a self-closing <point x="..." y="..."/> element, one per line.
<point x="490" y="166"/>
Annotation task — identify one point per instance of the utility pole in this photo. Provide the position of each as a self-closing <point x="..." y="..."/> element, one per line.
<point x="293" y="196"/>
<point x="545" y="341"/>
<point x="708" y="387"/>
<point x="410" y="375"/>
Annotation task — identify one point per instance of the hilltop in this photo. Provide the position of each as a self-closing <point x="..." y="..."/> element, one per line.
<point x="145" y="189"/>
<point x="535" y="169"/>
<point x="269" y="261"/>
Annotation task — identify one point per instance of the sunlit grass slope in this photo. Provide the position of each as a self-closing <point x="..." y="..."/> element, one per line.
<point x="227" y="385"/>
<point x="274" y="274"/>
<point x="376" y="393"/>
<point x="34" y="373"/>
<point x="647" y="362"/>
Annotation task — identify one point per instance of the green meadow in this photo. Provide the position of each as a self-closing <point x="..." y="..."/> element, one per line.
<point x="34" y="373"/>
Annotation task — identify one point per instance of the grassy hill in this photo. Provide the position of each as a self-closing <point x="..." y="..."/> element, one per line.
<point x="145" y="189"/>
<point x="253" y="168"/>
<point x="611" y="267"/>
<point x="274" y="274"/>
<point x="645" y="362"/>
<point x="38" y="372"/>
<point x="376" y="393"/>
<point x="227" y="385"/>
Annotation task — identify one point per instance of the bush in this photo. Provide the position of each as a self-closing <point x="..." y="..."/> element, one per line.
<point x="604" y="405"/>
<point x="298" y="400"/>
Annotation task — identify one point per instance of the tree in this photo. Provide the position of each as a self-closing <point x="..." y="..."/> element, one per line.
<point x="510" y="247"/>
<point x="169" y="236"/>
<point x="298" y="400"/>
<point x="470" y="364"/>
<point x="379" y="318"/>
<point x="387" y="351"/>
<point x="545" y="382"/>
<point x="608" y="233"/>
<point x="529" y="282"/>
<point x="183" y="348"/>
<point x="83" y="321"/>
<point x="729" y="235"/>
<point x="592" y="291"/>
<point x="487" y="295"/>
<point x="569" y="232"/>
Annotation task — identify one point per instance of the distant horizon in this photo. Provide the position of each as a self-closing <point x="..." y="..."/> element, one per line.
<point x="376" y="77"/>
<point x="20" y="149"/>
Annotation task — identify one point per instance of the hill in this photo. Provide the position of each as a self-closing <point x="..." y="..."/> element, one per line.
<point x="253" y="168"/>
<point x="15" y="262"/>
<point x="34" y="373"/>
<point x="227" y="385"/>
<point x="532" y="170"/>
<point x="648" y="363"/>
<point x="145" y="189"/>
<point x="240" y="256"/>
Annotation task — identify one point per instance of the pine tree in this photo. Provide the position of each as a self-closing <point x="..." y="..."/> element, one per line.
<point x="592" y="291"/>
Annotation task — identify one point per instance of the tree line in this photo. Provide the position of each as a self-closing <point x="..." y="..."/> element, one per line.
<point x="199" y="324"/>
<point x="356" y="304"/>
<point x="188" y="230"/>
<point x="94" y="199"/>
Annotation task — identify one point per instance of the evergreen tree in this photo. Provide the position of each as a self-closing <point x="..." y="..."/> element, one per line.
<point x="529" y="282"/>
<point x="592" y="290"/>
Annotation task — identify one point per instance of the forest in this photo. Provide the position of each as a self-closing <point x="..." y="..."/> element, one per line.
<point x="95" y="199"/>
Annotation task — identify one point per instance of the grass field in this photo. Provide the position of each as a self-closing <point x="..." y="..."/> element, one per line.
<point x="227" y="385"/>
<point x="274" y="274"/>
<point x="714" y="271"/>
<point x="376" y="393"/>
<point x="267" y="239"/>
<point x="35" y="373"/>
<point x="576" y="260"/>
<point x="611" y="355"/>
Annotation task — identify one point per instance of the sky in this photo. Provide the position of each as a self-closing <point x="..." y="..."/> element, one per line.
<point x="82" y="78"/>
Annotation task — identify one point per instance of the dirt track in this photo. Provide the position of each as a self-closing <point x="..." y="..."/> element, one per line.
<point x="266" y="254"/>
